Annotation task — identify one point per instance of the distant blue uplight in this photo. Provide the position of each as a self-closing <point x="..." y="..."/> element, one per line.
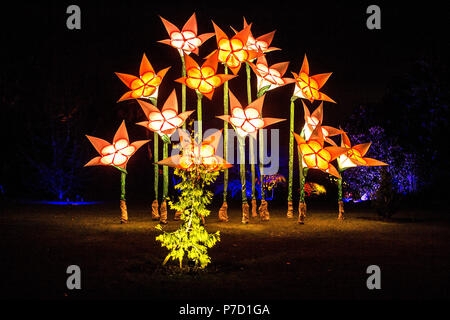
<point x="67" y="203"/>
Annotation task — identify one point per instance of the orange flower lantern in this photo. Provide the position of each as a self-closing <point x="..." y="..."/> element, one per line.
<point x="147" y="85"/>
<point x="315" y="156"/>
<point x="355" y="155"/>
<point x="270" y="77"/>
<point x="194" y="154"/>
<point x="166" y="121"/>
<point x="116" y="153"/>
<point x="307" y="87"/>
<point x="187" y="39"/>
<point x="260" y="44"/>
<point x="249" y="120"/>
<point x="315" y="119"/>
<point x="204" y="79"/>
<point x="233" y="52"/>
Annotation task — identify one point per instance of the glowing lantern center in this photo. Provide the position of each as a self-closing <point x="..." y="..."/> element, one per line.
<point x="308" y="86"/>
<point x="118" y="153"/>
<point x="315" y="156"/>
<point x="163" y="121"/>
<point x="256" y="45"/>
<point x="232" y="52"/>
<point x="203" y="79"/>
<point x="354" y="154"/>
<point x="145" y="85"/>
<point x="195" y="155"/>
<point x="246" y="121"/>
<point x="186" y="40"/>
<point x="273" y="76"/>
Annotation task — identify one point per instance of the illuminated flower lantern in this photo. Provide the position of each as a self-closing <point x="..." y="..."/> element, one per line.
<point x="315" y="156"/>
<point x="306" y="87"/>
<point x="246" y="121"/>
<point x="116" y="154"/>
<point x="204" y="80"/>
<point x="315" y="119"/>
<point x="260" y="44"/>
<point x="197" y="155"/>
<point x="164" y="123"/>
<point x="233" y="52"/>
<point x="269" y="77"/>
<point x="186" y="40"/>
<point x="146" y="85"/>
<point x="352" y="158"/>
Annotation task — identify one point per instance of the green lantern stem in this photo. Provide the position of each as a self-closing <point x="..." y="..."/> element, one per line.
<point x="155" y="159"/>
<point x="165" y="169"/>
<point x="251" y="140"/>
<point x="183" y="88"/>
<point x="261" y="161"/>
<point x="303" y="172"/>
<point x="291" y="148"/>
<point x="123" y="177"/>
<point x="199" y="117"/>
<point x="225" y="136"/>
<point x="242" y="167"/>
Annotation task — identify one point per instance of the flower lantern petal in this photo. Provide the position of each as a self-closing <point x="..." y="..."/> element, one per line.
<point x="362" y="148"/>
<point x="335" y="151"/>
<point x="171" y="102"/>
<point x="373" y="162"/>
<point x="121" y="133"/>
<point x="145" y="66"/>
<point x="191" y="24"/>
<point x="93" y="162"/>
<point x="213" y="140"/>
<point x="98" y="143"/>
<point x="321" y="78"/>
<point x="270" y="121"/>
<point x="173" y="161"/>
<point x="138" y="144"/>
<point x="345" y="141"/>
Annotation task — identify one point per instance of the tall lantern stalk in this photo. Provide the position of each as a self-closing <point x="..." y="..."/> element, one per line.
<point x="245" y="207"/>
<point x="223" y="211"/>
<point x="303" y="172"/>
<point x="183" y="87"/>
<point x="155" y="204"/>
<point x="290" y="212"/>
<point x="251" y="144"/>
<point x="263" y="209"/>
<point x="123" y="203"/>
<point x="199" y="117"/>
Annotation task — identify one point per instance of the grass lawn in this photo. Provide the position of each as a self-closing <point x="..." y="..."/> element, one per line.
<point x="325" y="258"/>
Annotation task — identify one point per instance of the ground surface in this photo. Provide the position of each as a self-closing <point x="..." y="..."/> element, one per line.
<point x="324" y="258"/>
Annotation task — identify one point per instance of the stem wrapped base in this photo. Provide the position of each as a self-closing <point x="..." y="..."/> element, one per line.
<point x="155" y="211"/>
<point x="254" y="209"/>
<point x="123" y="212"/>
<point x="223" y="212"/>
<point x="301" y="212"/>
<point x="290" y="210"/>
<point x="264" y="211"/>
<point x="341" y="210"/>
<point x="163" y="211"/>
<point x="245" y="213"/>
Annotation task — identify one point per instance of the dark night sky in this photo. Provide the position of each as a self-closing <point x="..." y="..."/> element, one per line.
<point x="51" y="64"/>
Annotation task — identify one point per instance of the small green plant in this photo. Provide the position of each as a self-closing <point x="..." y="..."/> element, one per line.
<point x="191" y="241"/>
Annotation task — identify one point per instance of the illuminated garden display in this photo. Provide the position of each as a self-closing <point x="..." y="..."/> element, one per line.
<point x="198" y="161"/>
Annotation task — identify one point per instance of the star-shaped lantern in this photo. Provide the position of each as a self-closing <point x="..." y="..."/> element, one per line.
<point x="307" y="87"/>
<point x="270" y="77"/>
<point x="260" y="44"/>
<point x="315" y="156"/>
<point x="315" y="119"/>
<point x="233" y="52"/>
<point x="194" y="154"/>
<point x="355" y="155"/>
<point x="187" y="40"/>
<point x="166" y="121"/>
<point x="204" y="79"/>
<point x="249" y="120"/>
<point x="147" y="85"/>
<point x="116" y="154"/>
